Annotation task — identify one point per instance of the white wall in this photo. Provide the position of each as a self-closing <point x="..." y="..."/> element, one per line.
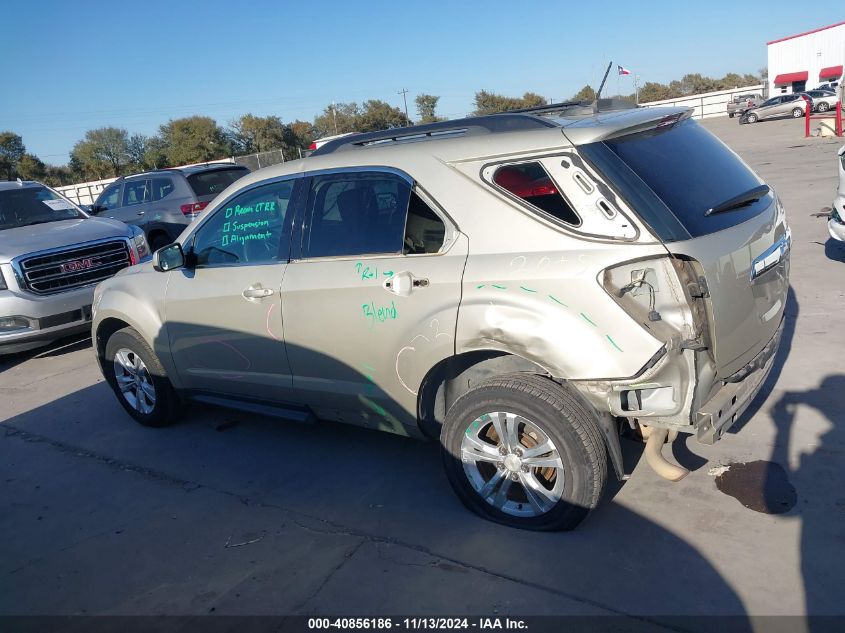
<point x="708" y="104"/>
<point x="810" y="52"/>
<point x="85" y="192"/>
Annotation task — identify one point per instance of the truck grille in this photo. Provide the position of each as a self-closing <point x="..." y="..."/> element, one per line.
<point x="60" y="270"/>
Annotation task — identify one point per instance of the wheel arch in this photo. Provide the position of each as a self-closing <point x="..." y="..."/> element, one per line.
<point x="452" y="377"/>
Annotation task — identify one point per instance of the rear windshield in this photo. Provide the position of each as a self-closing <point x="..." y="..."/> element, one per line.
<point x="210" y="183"/>
<point x="673" y="175"/>
<point x="33" y="205"/>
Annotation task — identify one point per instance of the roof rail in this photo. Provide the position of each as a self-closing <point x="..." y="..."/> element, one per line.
<point x="491" y="123"/>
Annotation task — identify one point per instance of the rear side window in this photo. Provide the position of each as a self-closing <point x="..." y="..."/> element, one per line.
<point x="162" y="187"/>
<point x="533" y="184"/>
<point x="210" y="183"/>
<point x="673" y="175"/>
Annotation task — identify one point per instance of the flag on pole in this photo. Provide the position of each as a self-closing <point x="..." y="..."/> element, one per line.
<point x="623" y="71"/>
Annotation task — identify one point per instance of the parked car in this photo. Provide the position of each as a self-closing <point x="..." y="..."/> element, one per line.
<point x="833" y="86"/>
<point x="520" y="286"/>
<point x="836" y="223"/>
<point x="163" y="202"/>
<point x="823" y="100"/>
<point x="741" y="103"/>
<point x="782" y="105"/>
<point x="51" y="255"/>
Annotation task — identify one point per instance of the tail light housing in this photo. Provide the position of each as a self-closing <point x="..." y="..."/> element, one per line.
<point x="193" y="208"/>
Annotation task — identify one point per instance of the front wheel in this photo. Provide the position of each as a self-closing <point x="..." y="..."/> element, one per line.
<point x="797" y="113"/>
<point x="525" y="451"/>
<point x="138" y="380"/>
<point x="751" y="118"/>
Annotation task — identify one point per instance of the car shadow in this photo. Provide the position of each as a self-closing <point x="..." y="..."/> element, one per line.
<point x="834" y="250"/>
<point x="55" y="348"/>
<point x="389" y="488"/>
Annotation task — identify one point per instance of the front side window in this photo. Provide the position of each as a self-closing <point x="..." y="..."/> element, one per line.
<point x="356" y="214"/>
<point x="136" y="192"/>
<point x="109" y="198"/>
<point x="250" y="228"/>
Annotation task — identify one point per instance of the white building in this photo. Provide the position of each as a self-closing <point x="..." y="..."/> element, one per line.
<point x="803" y="61"/>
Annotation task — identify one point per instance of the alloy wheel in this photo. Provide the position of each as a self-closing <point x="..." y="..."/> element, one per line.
<point x="512" y="464"/>
<point x="134" y="380"/>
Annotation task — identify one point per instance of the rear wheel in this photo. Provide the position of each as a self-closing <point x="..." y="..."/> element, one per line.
<point x="730" y="115"/>
<point x="525" y="451"/>
<point x="797" y="113"/>
<point x="824" y="106"/>
<point x="139" y="381"/>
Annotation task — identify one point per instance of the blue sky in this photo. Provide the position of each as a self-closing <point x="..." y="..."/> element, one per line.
<point x="73" y="66"/>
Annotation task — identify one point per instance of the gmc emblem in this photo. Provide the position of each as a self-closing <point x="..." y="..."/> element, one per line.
<point x="76" y="266"/>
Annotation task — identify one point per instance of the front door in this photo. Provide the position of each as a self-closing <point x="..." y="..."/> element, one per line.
<point x="136" y="198"/>
<point x="371" y="301"/>
<point x="223" y="311"/>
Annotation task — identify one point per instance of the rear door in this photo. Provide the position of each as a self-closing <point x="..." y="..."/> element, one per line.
<point x="371" y="301"/>
<point x="685" y="178"/>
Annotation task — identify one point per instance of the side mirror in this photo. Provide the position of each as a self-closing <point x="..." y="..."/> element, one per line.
<point x="169" y="257"/>
<point x="94" y="209"/>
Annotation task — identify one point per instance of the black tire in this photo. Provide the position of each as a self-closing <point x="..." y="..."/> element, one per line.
<point x="797" y="113"/>
<point x="159" y="241"/>
<point x="558" y="412"/>
<point x="823" y="106"/>
<point x="165" y="410"/>
<point x="751" y="118"/>
<point x="730" y="115"/>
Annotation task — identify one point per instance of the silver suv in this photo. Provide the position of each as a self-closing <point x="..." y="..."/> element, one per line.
<point x="51" y="255"/>
<point x="164" y="202"/>
<point x="521" y="286"/>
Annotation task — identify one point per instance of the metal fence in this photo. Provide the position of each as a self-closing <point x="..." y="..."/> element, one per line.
<point x="262" y="159"/>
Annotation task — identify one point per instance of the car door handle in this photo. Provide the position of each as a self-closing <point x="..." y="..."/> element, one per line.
<point x="140" y="213"/>
<point x="257" y="292"/>
<point x="402" y="283"/>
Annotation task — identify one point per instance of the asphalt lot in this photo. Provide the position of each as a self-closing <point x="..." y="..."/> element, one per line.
<point x="230" y="514"/>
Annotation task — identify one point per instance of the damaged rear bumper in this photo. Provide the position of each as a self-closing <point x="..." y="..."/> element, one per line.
<point x="723" y="408"/>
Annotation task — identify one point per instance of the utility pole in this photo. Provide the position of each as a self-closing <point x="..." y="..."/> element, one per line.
<point x="637" y="88"/>
<point x="334" y="117"/>
<point x="404" y="92"/>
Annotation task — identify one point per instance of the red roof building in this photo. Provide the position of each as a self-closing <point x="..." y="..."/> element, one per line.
<point x="806" y="60"/>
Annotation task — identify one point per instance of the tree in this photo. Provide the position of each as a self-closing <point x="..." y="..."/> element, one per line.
<point x="30" y="167"/>
<point x="155" y="153"/>
<point x="103" y="152"/>
<point x="12" y="150"/>
<point x="252" y="134"/>
<point x="585" y="94"/>
<point x="57" y="176"/>
<point x="136" y="148"/>
<point x="490" y="102"/>
<point x="380" y="115"/>
<point x="337" y="118"/>
<point x="193" y="140"/>
<point x="426" y="107"/>
<point x="299" y="135"/>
